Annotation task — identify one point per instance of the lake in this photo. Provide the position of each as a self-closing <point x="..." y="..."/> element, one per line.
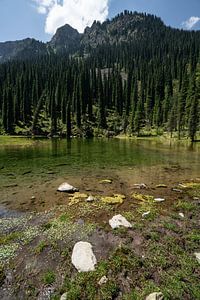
<point x="26" y="164"/>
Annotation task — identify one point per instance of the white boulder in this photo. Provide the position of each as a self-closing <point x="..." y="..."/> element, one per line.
<point x="155" y="296"/>
<point x="83" y="257"/>
<point x="118" y="221"/>
<point x="67" y="188"/>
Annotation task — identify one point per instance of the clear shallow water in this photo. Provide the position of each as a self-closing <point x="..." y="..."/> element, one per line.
<point x="37" y="159"/>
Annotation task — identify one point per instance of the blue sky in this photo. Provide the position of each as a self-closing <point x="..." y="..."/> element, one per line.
<point x="40" y="18"/>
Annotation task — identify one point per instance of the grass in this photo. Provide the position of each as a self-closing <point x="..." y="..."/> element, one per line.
<point x="184" y="205"/>
<point x="2" y="274"/>
<point x="40" y="247"/>
<point x="49" y="277"/>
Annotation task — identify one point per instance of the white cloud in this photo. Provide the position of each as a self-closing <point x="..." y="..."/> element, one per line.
<point x="77" y="13"/>
<point x="191" y="22"/>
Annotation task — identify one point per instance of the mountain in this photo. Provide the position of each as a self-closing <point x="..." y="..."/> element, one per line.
<point x="66" y="39"/>
<point x="127" y="27"/>
<point x="23" y="49"/>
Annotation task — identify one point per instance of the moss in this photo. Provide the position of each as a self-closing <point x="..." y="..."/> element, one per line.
<point x="76" y="198"/>
<point x="115" y="199"/>
<point x="143" y="198"/>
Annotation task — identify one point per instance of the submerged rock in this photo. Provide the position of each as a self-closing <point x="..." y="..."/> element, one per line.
<point x="106" y="181"/>
<point x="177" y="190"/>
<point x="161" y="185"/>
<point x="67" y="188"/>
<point x="197" y="254"/>
<point x="155" y="296"/>
<point x="83" y="257"/>
<point x="118" y="221"/>
<point x="140" y="186"/>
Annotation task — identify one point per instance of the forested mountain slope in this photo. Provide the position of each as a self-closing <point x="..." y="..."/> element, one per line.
<point x="131" y="74"/>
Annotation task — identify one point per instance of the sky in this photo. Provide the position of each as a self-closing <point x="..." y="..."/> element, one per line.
<point x="39" y="19"/>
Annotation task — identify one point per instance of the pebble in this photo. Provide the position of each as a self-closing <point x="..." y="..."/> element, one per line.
<point x="159" y="199"/>
<point x="146" y="214"/>
<point x="103" y="280"/>
<point x="181" y="215"/>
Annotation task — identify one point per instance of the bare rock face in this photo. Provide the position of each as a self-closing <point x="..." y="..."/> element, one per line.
<point x="83" y="257"/>
<point x="67" y="188"/>
<point x="155" y="296"/>
<point x="118" y="221"/>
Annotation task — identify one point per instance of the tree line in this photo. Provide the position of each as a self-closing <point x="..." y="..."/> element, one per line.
<point x="145" y="85"/>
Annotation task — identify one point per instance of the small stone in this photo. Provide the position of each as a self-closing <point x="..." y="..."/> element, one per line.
<point x="177" y="190"/>
<point x="64" y="297"/>
<point x="146" y="214"/>
<point x="90" y="199"/>
<point x="103" y="280"/>
<point x="159" y="199"/>
<point x="181" y="215"/>
<point x="197" y="254"/>
<point x="196" y="199"/>
<point x="80" y="222"/>
<point x="140" y="186"/>
<point x="67" y="188"/>
<point x="155" y="296"/>
<point x="118" y="221"/>
<point x="83" y="257"/>
<point x="33" y="198"/>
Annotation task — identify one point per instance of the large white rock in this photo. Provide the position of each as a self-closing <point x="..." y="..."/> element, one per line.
<point x="83" y="257"/>
<point x="67" y="188"/>
<point x="118" y="221"/>
<point x="155" y="296"/>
